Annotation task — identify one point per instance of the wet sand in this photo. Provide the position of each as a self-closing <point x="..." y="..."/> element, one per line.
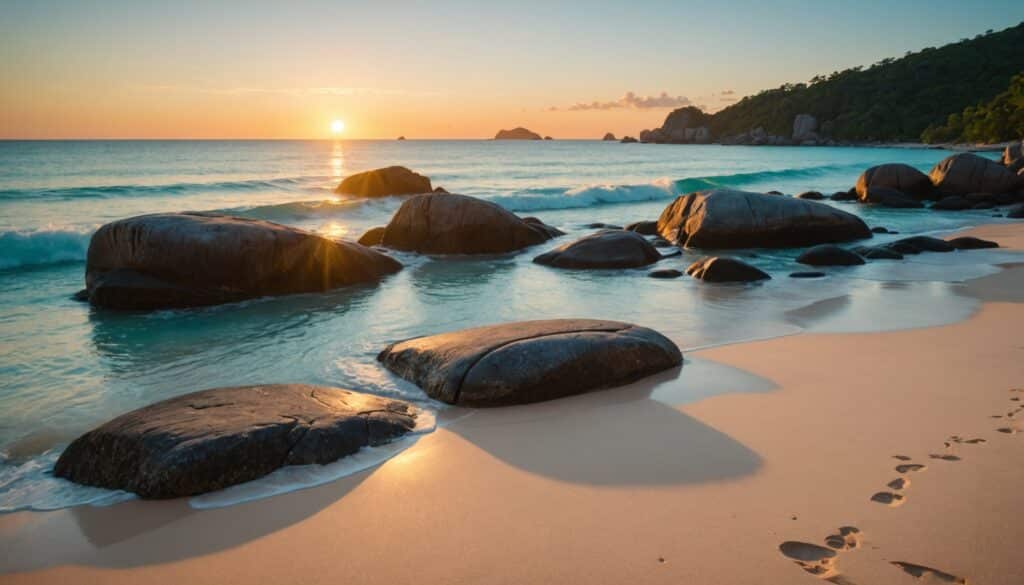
<point x="736" y="469"/>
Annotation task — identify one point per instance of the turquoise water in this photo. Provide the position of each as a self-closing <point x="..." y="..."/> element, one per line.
<point x="65" y="367"/>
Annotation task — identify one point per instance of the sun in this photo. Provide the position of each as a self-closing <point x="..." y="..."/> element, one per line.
<point x="337" y="127"/>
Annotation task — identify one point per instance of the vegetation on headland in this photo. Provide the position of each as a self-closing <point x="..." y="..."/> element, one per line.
<point x="999" y="120"/>
<point x="899" y="99"/>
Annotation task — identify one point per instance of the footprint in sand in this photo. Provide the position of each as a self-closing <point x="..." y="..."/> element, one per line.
<point x="935" y="575"/>
<point x="946" y="457"/>
<point x="900" y="483"/>
<point x="819" y="560"/>
<point x="1008" y="430"/>
<point x="901" y="457"/>
<point x="910" y="467"/>
<point x="889" y="499"/>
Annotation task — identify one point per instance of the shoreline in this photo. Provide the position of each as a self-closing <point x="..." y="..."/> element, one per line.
<point x="691" y="476"/>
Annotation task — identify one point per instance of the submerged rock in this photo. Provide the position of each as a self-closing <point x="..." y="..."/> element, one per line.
<point x="445" y="223"/>
<point x="877" y="253"/>
<point x="966" y="172"/>
<point x="887" y="197"/>
<point x="807" y="274"/>
<point x="644" y="228"/>
<point x="394" y="180"/>
<point x="850" y="195"/>
<point x="971" y="243"/>
<point x="725" y="218"/>
<point x="918" y="244"/>
<point x="1015" y="212"/>
<point x="518" y="133"/>
<point x="530" y="361"/>
<point x="666" y="273"/>
<point x="880" y="230"/>
<point x="213" y="439"/>
<point x="725" y="269"/>
<point x="193" y="259"/>
<point x="604" y="249"/>
<point x="903" y="178"/>
<point x="829" y="255"/>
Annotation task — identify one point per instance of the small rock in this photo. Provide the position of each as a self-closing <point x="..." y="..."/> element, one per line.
<point x="879" y="230"/>
<point x="807" y="274"/>
<point x="829" y="255"/>
<point x="918" y="244"/>
<point x="971" y="243"/>
<point x="811" y="195"/>
<point x="644" y="228"/>
<point x="725" y="269"/>
<point x="666" y="273"/>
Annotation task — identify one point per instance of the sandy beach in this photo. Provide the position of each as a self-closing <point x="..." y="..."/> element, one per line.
<point x="643" y="484"/>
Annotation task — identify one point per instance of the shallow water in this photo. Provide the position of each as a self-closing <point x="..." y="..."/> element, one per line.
<point x="65" y="367"/>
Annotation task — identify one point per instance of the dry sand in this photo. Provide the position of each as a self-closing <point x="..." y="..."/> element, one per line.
<point x="642" y="484"/>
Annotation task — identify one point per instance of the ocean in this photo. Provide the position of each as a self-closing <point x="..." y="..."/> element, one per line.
<point x="65" y="367"/>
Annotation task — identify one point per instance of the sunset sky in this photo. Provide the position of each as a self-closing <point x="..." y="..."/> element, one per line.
<point x="430" y="69"/>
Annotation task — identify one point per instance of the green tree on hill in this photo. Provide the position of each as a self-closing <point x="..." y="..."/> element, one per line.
<point x="999" y="120"/>
<point x="894" y="99"/>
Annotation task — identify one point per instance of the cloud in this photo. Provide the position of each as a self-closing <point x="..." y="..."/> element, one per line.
<point x="633" y="101"/>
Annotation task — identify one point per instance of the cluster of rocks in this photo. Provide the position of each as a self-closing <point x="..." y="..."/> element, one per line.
<point x="213" y="439"/>
<point x="959" y="182"/>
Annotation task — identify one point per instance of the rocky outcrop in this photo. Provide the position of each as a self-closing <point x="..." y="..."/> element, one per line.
<point x="829" y="255"/>
<point x="530" y="361"/>
<point x="966" y="172"/>
<point x="387" y="181"/>
<point x="686" y="125"/>
<point x="628" y="140"/>
<point x="518" y="133"/>
<point x="609" y="137"/>
<point x="605" y="249"/>
<point x="887" y="197"/>
<point x="805" y="129"/>
<point x="214" y="439"/>
<point x="446" y="223"/>
<point x="725" y="218"/>
<point x="193" y="259"/>
<point x="903" y="178"/>
<point x="725" y="269"/>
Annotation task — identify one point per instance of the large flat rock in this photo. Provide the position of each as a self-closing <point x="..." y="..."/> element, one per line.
<point x="727" y="218"/>
<point x="604" y="249"/>
<point x="213" y="439"/>
<point x="530" y="361"/>
<point x="192" y="259"/>
<point x="446" y="223"/>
